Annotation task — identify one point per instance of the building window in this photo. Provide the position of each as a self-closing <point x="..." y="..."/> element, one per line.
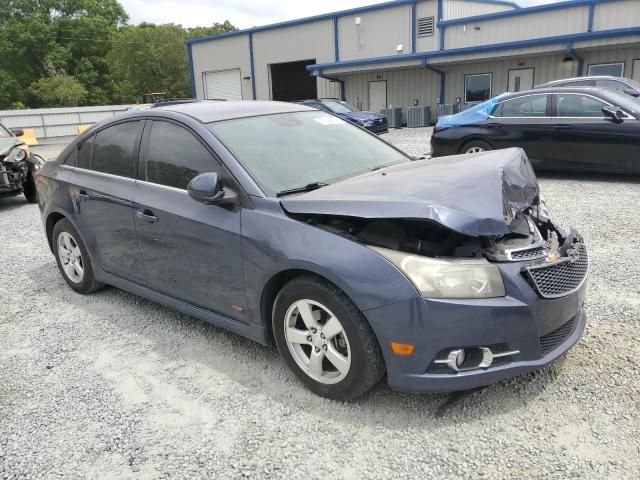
<point x="609" y="69"/>
<point x="477" y="88"/>
<point x="425" y="27"/>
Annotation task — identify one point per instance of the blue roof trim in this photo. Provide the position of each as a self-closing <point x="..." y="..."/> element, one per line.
<point x="523" y="11"/>
<point x="302" y="21"/>
<point x="573" y="37"/>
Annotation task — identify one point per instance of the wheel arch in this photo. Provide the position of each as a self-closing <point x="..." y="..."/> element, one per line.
<point x="50" y="223"/>
<point x="473" y="138"/>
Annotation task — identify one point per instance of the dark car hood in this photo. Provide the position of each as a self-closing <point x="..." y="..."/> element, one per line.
<point x="477" y="195"/>
<point x="362" y="116"/>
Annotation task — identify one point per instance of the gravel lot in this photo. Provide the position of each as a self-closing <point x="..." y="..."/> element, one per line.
<point x="114" y="386"/>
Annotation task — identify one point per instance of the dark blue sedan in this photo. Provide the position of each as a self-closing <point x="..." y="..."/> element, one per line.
<point x="374" y="122"/>
<point x="291" y="226"/>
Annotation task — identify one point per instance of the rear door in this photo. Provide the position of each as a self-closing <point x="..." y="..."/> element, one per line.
<point x="591" y="140"/>
<point x="191" y="251"/>
<point x="523" y="122"/>
<point x="103" y="188"/>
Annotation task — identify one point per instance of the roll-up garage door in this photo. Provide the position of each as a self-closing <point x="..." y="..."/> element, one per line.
<point x="223" y="85"/>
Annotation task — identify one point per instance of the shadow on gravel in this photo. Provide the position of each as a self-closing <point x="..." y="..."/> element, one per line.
<point x="173" y="338"/>
<point x="588" y="177"/>
<point x="8" y="204"/>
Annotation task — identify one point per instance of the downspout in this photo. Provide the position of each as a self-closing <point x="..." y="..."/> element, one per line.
<point x="192" y="77"/>
<point x="252" y="67"/>
<point x="333" y="79"/>
<point x="443" y="77"/>
<point x="441" y="28"/>
<point x="572" y="53"/>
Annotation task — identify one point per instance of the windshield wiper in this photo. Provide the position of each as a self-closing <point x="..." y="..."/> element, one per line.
<point x="307" y="188"/>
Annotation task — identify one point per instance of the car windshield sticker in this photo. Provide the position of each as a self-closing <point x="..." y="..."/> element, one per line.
<point x="329" y="121"/>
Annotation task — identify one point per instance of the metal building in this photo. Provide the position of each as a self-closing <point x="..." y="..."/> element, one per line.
<point x="420" y="52"/>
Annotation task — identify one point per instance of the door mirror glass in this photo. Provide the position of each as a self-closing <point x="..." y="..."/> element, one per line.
<point x="18" y="132"/>
<point x="632" y="92"/>
<point x="205" y="188"/>
<point x="614" y="113"/>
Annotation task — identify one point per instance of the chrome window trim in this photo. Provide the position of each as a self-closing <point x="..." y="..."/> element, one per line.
<point x="517" y="98"/>
<point x="96" y="173"/>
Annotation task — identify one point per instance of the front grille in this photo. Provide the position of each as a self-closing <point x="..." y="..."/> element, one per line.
<point x="528" y="253"/>
<point x="561" y="278"/>
<point x="551" y="340"/>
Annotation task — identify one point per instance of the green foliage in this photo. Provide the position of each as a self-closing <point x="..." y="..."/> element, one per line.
<point x="88" y="43"/>
<point x="59" y="90"/>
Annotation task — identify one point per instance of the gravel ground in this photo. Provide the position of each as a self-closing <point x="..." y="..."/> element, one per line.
<point x="114" y="386"/>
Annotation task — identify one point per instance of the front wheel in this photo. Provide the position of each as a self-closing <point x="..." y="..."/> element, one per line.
<point x="476" y="146"/>
<point x="29" y="189"/>
<point x="325" y="340"/>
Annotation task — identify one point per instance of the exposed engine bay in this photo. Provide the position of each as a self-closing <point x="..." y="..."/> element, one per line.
<point x="533" y="236"/>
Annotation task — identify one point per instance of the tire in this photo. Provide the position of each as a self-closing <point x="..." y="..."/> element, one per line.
<point x="29" y="189"/>
<point x="65" y="241"/>
<point x="355" y="342"/>
<point x="476" y="146"/>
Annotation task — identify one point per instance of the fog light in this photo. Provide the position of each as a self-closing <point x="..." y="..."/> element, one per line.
<point x="465" y="359"/>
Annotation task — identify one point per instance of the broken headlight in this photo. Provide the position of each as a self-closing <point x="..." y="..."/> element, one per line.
<point x="18" y="154"/>
<point x="448" y="278"/>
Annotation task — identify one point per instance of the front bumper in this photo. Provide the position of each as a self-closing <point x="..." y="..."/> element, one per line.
<point x="521" y="322"/>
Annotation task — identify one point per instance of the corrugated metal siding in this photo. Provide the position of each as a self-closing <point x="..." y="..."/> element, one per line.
<point x="626" y="55"/>
<point x="428" y="9"/>
<point x="617" y="15"/>
<point x="500" y="54"/>
<point x="403" y="87"/>
<point x="222" y="54"/>
<point x="378" y="35"/>
<point x="463" y="8"/>
<point x="300" y="42"/>
<point x="58" y="122"/>
<point x="328" y="89"/>
<point x="524" y="27"/>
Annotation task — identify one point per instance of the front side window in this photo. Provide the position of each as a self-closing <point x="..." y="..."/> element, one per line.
<point x="576" y="105"/>
<point x="528" y="106"/>
<point x="175" y="156"/>
<point x="338" y="107"/>
<point x="291" y="150"/>
<point x="579" y="83"/>
<point x="607" y="69"/>
<point x="477" y="88"/>
<point x="113" y="149"/>
<point x="612" y="85"/>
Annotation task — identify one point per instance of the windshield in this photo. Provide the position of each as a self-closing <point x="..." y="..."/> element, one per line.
<point x="291" y="150"/>
<point x="338" y="107"/>
<point x="4" y="133"/>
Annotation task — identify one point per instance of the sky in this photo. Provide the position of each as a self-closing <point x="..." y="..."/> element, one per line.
<point x="242" y="13"/>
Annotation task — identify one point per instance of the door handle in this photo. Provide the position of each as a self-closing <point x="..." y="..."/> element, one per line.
<point x="83" y="194"/>
<point x="562" y="127"/>
<point x="494" y="125"/>
<point x="146" y="216"/>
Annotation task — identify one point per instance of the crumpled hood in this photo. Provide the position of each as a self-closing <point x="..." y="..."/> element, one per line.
<point x="7" y="144"/>
<point x="362" y="116"/>
<point x="477" y="194"/>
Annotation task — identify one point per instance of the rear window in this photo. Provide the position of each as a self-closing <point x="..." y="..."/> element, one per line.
<point x="113" y="149"/>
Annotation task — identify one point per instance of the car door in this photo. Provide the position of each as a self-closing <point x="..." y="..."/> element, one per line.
<point x="590" y="140"/>
<point x="523" y="122"/>
<point x="192" y="252"/>
<point x="102" y="188"/>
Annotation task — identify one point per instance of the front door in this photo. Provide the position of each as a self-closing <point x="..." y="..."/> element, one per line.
<point x="377" y="95"/>
<point x="591" y="140"/>
<point x="104" y="184"/>
<point x="192" y="252"/>
<point x="521" y="79"/>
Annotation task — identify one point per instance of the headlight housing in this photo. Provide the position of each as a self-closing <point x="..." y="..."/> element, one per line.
<point x="17" y="154"/>
<point x="448" y="278"/>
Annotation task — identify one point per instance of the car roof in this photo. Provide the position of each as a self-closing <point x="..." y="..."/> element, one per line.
<point x="208" y="111"/>
<point x="538" y="91"/>
<point x="578" y="79"/>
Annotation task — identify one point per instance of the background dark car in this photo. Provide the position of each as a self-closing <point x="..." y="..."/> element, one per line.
<point x="17" y="166"/>
<point x="374" y="122"/>
<point x="581" y="128"/>
<point x="620" y="84"/>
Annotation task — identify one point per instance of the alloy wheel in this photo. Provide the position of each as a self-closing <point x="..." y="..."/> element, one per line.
<point x="317" y="341"/>
<point x="70" y="257"/>
<point x="475" y="150"/>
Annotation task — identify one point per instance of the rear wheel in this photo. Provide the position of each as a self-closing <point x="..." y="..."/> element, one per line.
<point x="73" y="259"/>
<point x="325" y="339"/>
<point x="476" y="146"/>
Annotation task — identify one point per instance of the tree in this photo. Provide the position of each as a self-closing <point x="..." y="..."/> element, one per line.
<point x="59" y="90"/>
<point x="153" y="58"/>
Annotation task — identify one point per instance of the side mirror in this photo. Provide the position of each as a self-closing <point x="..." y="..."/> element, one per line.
<point x="614" y="113"/>
<point x="18" y="132"/>
<point x="632" y="92"/>
<point x="206" y="188"/>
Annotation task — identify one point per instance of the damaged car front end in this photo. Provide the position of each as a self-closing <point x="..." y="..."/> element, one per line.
<point x="18" y="166"/>
<point x="501" y="287"/>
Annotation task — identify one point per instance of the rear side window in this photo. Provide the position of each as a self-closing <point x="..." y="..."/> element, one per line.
<point x="579" y="83"/>
<point x="113" y="149"/>
<point x="575" y="105"/>
<point x="528" y="106"/>
<point x="612" y="85"/>
<point x="175" y="156"/>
